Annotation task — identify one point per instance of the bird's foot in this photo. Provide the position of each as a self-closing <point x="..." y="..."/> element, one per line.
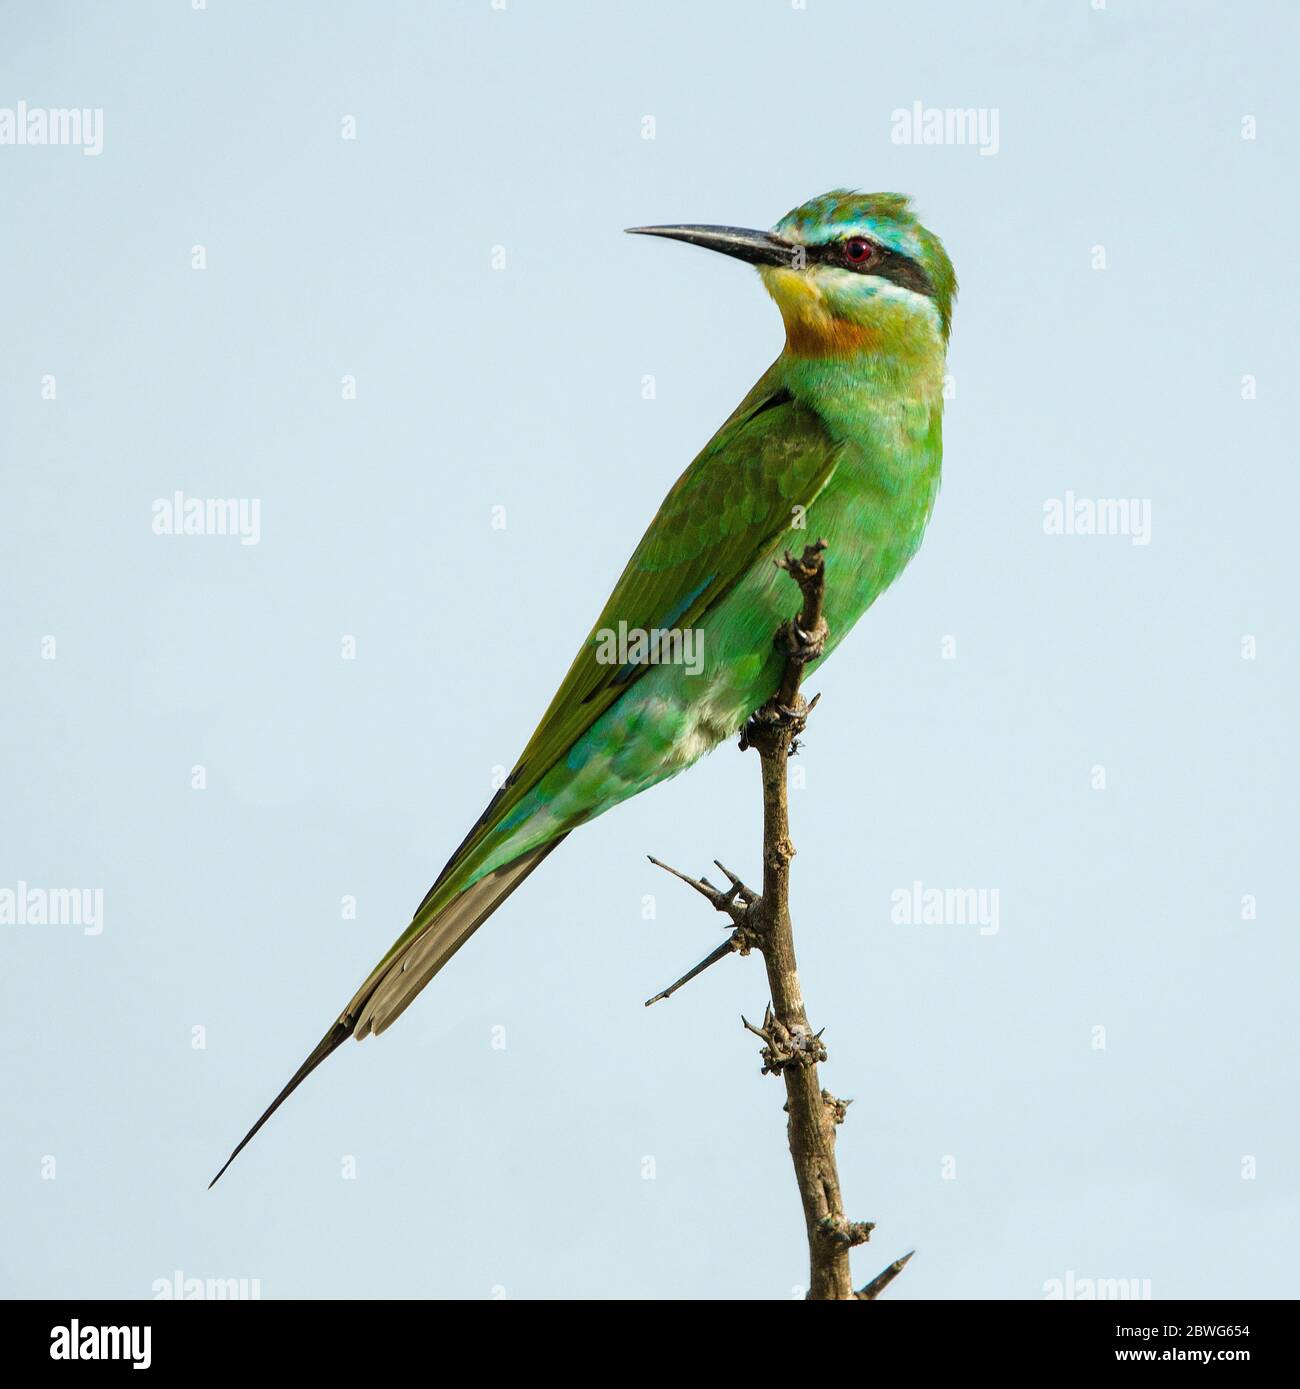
<point x="773" y="728"/>
<point x="776" y="721"/>
<point x="802" y="646"/>
<point x="806" y="569"/>
<point x="803" y="638"/>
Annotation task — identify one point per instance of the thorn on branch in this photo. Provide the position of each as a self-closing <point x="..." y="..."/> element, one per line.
<point x="839" y="1109"/>
<point x="785" y="1046"/>
<point x="740" y="903"/>
<point x="883" y="1279"/>
<point x="736" y="901"/>
<point x="711" y="958"/>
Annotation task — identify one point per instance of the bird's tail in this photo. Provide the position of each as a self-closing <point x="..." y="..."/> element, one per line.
<point x="330" y="1042"/>
<point x="407" y="968"/>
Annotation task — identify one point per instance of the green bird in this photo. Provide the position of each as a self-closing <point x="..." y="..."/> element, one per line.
<point x="840" y="439"/>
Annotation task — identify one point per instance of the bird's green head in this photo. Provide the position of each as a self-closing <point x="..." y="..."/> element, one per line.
<point x="850" y="272"/>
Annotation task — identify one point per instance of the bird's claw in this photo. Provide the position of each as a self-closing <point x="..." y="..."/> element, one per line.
<point x="776" y="718"/>
<point x="801" y="646"/>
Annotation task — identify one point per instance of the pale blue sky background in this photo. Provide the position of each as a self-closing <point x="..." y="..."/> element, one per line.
<point x="524" y="1168"/>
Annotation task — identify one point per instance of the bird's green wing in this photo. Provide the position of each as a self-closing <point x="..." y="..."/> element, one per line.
<point x="730" y="507"/>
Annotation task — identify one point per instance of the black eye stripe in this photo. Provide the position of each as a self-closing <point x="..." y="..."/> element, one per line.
<point x="889" y="265"/>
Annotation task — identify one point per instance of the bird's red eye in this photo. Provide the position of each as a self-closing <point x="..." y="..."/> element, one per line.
<point x="857" y="250"/>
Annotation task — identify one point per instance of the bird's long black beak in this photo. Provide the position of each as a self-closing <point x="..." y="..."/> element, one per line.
<point x="757" y="247"/>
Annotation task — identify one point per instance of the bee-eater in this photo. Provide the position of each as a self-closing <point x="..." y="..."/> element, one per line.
<point x="840" y="439"/>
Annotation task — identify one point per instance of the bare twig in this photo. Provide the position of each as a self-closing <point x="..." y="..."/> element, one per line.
<point x="791" y="1049"/>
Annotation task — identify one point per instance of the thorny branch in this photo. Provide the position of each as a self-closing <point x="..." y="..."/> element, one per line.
<point x="791" y="1049"/>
